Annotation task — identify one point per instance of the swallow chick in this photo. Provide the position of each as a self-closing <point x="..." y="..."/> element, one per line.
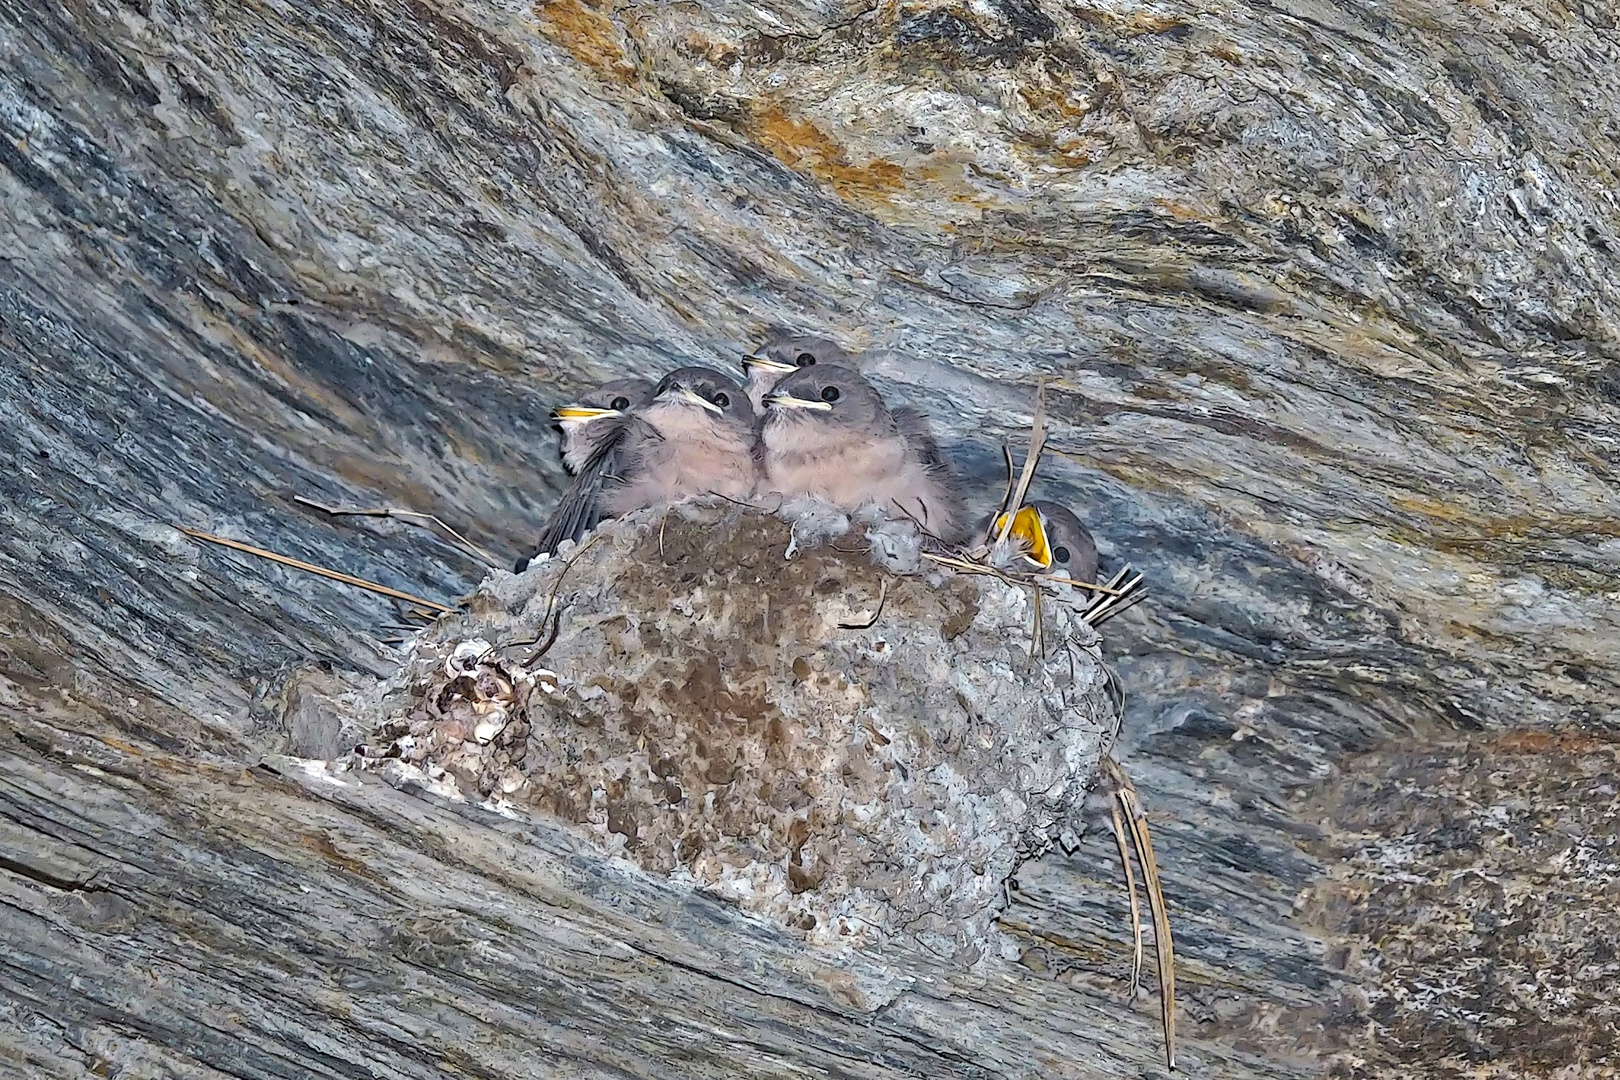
<point x="700" y="442"/>
<point x="782" y="356"/>
<point x="828" y="435"/>
<point x="694" y="437"/>
<point x="583" y="424"/>
<point x="1047" y="538"/>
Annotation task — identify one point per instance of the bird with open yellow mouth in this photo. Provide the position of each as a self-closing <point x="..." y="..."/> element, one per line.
<point x="1048" y="538"/>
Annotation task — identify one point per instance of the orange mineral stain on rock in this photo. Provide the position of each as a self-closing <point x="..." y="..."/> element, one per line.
<point x="1180" y="210"/>
<point x="1135" y="25"/>
<point x="801" y="145"/>
<point x="1554" y="742"/>
<point x="581" y="27"/>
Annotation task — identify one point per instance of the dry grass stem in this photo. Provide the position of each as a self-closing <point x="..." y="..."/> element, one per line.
<point x="968" y="566"/>
<point x="311" y="568"/>
<point x="413" y="517"/>
<point x="1163" y="946"/>
<point x="1122" y="592"/>
<point x="1037" y="630"/>
<point x="1037" y="443"/>
<point x="1130" y="888"/>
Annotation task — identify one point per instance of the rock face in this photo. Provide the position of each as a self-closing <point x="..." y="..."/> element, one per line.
<point x="1326" y="302"/>
<point x="712" y="708"/>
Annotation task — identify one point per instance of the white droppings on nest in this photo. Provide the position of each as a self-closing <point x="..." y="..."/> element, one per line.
<point x="704" y="714"/>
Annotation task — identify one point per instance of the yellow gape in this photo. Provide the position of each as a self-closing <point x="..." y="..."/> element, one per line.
<point x="580" y="412"/>
<point x="1028" y="527"/>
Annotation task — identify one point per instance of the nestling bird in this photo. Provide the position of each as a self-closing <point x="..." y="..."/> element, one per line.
<point x="700" y="442"/>
<point x="781" y="357"/>
<point x="1048" y="538"/>
<point x="582" y="422"/>
<point x="827" y="434"/>
<point x="695" y="437"/>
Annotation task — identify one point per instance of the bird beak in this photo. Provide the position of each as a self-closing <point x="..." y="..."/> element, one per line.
<point x="690" y="397"/>
<point x="750" y="362"/>
<point x="1028" y="527"/>
<point x="788" y="401"/>
<point x="579" y="413"/>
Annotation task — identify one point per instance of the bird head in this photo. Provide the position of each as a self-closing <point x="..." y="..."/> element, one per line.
<point x="614" y="398"/>
<point x="1051" y="540"/>
<point x="704" y="388"/>
<point x="787" y="353"/>
<point x="827" y="394"/>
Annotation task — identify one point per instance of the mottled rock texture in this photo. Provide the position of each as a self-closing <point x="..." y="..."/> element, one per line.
<point x="1326" y="298"/>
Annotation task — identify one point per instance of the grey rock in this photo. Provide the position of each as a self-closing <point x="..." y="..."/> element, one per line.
<point x="1326" y="308"/>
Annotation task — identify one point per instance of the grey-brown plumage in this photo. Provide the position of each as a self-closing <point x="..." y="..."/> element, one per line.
<point x="695" y="437"/>
<point x="827" y="434"/>
<point x="780" y="357"/>
<point x="584" y="424"/>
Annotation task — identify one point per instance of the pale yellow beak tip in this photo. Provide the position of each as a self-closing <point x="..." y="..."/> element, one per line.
<point x="580" y="412"/>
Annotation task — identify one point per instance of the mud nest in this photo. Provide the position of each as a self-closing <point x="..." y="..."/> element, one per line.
<point x="852" y="752"/>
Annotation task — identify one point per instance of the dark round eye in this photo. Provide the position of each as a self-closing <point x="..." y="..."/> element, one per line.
<point x="829" y="393"/>
<point x="620" y="403"/>
<point x="805" y="359"/>
<point x="1060" y="553"/>
<point x="721" y="399"/>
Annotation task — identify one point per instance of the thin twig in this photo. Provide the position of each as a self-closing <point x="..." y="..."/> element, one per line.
<point x="299" y="564"/>
<point x="915" y="520"/>
<point x="409" y="613"/>
<point x="556" y="585"/>
<point x="556" y="624"/>
<point x="405" y="515"/>
<point x="1012" y="476"/>
<point x="883" y="595"/>
<point x="551" y="639"/>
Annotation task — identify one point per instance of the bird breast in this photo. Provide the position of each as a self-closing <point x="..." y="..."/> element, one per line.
<point x="810" y="459"/>
<point x="693" y="455"/>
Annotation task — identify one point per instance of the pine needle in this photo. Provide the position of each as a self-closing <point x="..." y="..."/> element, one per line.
<point x="311" y="568"/>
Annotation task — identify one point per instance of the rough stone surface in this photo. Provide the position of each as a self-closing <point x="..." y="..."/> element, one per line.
<point x="1326" y="301"/>
<point x="712" y="708"/>
<point x="1505" y="878"/>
